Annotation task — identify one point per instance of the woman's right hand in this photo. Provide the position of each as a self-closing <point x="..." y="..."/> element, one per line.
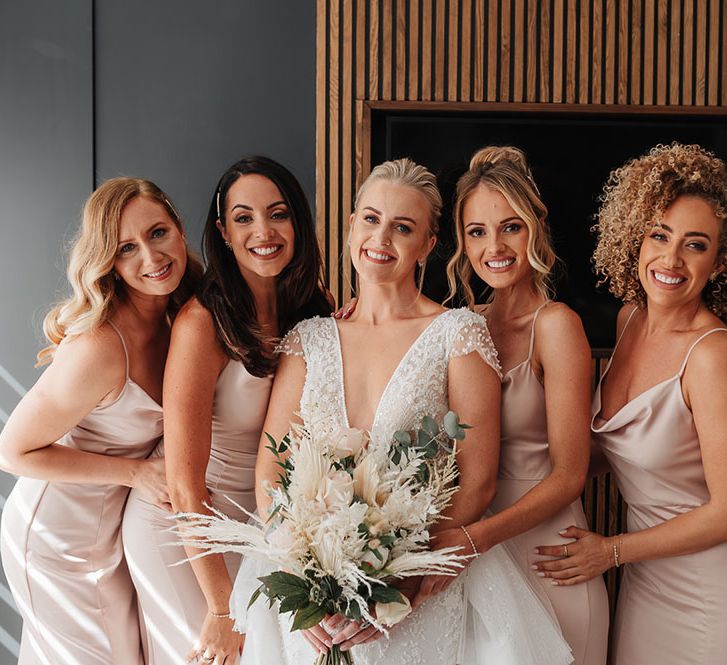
<point x="150" y="479"/>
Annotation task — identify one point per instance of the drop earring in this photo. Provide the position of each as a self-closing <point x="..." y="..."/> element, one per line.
<point x="228" y="244"/>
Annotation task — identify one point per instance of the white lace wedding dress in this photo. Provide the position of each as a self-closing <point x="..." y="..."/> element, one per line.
<point x="489" y="615"/>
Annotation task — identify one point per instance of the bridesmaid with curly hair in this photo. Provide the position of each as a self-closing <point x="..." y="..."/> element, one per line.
<point x="81" y="436"/>
<point x="659" y="413"/>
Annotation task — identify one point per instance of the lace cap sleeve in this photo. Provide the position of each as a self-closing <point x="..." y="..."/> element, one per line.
<point x="472" y="335"/>
<point x="291" y="344"/>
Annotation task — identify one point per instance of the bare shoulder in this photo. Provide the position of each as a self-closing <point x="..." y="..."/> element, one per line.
<point x="194" y="334"/>
<point x="623" y="316"/>
<point x="93" y="360"/>
<point x="559" y="334"/>
<point x="709" y="356"/>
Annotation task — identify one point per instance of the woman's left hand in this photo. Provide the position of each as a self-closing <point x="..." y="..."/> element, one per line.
<point x="434" y="584"/>
<point x="588" y="556"/>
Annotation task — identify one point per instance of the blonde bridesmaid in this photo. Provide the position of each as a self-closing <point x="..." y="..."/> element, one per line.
<point x="659" y="413"/>
<point x="502" y="236"/>
<point x="263" y="276"/>
<point x="81" y="436"/>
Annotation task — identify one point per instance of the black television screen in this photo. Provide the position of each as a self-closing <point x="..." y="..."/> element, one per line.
<point x="571" y="155"/>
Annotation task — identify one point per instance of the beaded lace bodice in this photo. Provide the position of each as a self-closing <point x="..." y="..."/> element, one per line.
<point x="417" y="387"/>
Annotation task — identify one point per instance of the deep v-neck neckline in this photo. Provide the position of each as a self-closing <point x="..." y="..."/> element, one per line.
<point x="400" y="364"/>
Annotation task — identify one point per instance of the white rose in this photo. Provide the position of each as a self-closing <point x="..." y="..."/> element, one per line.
<point x="348" y="441"/>
<point x="390" y="614"/>
<point x="370" y="558"/>
<point x="335" y="490"/>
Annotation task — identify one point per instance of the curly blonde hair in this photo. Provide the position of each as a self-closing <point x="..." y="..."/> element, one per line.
<point x="637" y="195"/>
<point x="504" y="169"/>
<point x="91" y="262"/>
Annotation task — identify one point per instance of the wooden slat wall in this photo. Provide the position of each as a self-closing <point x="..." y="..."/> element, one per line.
<point x="632" y="52"/>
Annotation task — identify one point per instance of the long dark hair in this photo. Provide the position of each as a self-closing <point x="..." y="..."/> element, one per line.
<point x="300" y="289"/>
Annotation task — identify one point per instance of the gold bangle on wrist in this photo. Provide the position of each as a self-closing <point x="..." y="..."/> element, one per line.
<point x="616" y="544"/>
<point x="472" y="542"/>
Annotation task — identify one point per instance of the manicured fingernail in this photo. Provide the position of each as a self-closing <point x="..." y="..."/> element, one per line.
<point x="562" y="531"/>
<point x="534" y="567"/>
<point x="537" y="550"/>
<point x="540" y="574"/>
<point x="555" y="583"/>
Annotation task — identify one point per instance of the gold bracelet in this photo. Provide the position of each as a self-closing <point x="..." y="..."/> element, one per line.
<point x="616" y="551"/>
<point x="472" y="542"/>
<point x="218" y="616"/>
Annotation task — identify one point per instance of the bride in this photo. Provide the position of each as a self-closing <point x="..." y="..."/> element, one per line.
<point x="399" y="357"/>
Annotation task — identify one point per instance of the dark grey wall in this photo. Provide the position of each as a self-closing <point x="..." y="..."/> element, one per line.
<point x="170" y="90"/>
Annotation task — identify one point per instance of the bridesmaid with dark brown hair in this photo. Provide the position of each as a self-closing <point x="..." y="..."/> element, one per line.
<point x="659" y="413"/>
<point x="264" y="275"/>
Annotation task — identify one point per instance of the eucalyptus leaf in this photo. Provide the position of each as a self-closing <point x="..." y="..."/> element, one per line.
<point x="308" y="616"/>
<point x="429" y="425"/>
<point x="402" y="437"/>
<point x="451" y="424"/>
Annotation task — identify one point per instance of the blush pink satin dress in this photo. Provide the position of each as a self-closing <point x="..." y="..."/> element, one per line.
<point x="670" y="611"/>
<point x="171" y="604"/>
<point x="62" y="551"/>
<point x="581" y="610"/>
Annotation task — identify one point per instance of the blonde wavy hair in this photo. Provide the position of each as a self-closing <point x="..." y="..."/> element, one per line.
<point x="503" y="169"/>
<point x="91" y="262"/>
<point x="406" y="172"/>
<point x="637" y="195"/>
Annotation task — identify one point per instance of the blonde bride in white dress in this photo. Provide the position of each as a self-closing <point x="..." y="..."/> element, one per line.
<point x="399" y="357"/>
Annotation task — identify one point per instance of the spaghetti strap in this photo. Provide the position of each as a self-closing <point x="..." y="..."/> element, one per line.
<point x="626" y="325"/>
<point x="691" y="348"/>
<point x="532" y="329"/>
<point x="123" y="343"/>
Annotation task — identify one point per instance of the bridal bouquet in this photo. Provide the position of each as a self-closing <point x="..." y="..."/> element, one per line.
<point x="348" y="518"/>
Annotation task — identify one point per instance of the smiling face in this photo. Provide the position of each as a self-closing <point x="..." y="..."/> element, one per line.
<point x="495" y="239"/>
<point x="390" y="232"/>
<point x="259" y="226"/>
<point x="151" y="255"/>
<point x="680" y="252"/>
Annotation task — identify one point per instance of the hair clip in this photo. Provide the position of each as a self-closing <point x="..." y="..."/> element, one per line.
<point x="218" y="204"/>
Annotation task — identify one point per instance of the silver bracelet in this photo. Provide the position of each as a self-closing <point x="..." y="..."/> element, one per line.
<point x="472" y="542"/>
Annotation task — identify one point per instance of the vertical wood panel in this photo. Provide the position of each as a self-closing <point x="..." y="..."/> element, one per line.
<point x="699" y="93"/>
<point x="347" y="144"/>
<point x="688" y="61"/>
<point x="714" y="50"/>
<point x="505" y="46"/>
<point x="723" y="55"/>
<point x="623" y="52"/>
<point x="493" y="54"/>
<point x="386" y="49"/>
<point x="401" y="63"/>
<point x="413" y="30"/>
<point x="517" y="44"/>
<point x="661" y="52"/>
<point x="531" y="92"/>
<point x="439" y="51"/>
<point x="584" y="55"/>
<point x="675" y="50"/>
<point x="334" y="138"/>
<point x="373" y="48"/>
<point x="649" y="53"/>
<point x="610" y="74"/>
<point x="453" y="51"/>
<point x="322" y="64"/>
<point x="427" y="14"/>
<point x="545" y="44"/>
<point x="636" y="41"/>
<point x="479" y="49"/>
<point x="558" y="46"/>
<point x="466" y="52"/>
<point x="571" y="53"/>
<point x="596" y="52"/>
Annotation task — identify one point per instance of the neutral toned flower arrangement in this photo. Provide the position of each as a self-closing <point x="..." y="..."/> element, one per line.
<point x="348" y="518"/>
